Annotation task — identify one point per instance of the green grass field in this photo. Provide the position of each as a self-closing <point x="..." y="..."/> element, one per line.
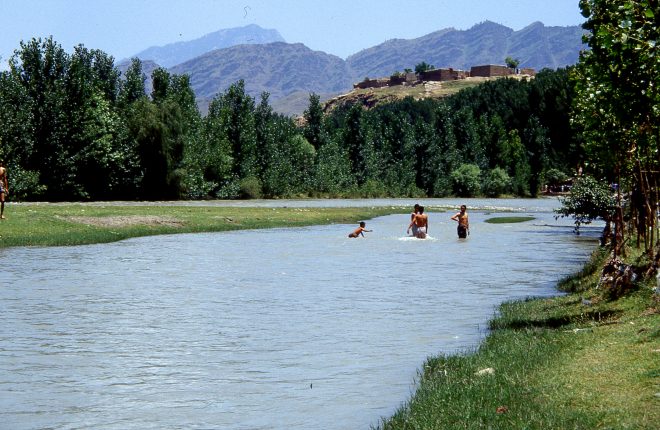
<point x="508" y="219"/>
<point x="44" y="224"/>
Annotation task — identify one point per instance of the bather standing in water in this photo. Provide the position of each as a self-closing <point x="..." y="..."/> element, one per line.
<point x="412" y="220"/>
<point x="419" y="224"/>
<point x="463" y="228"/>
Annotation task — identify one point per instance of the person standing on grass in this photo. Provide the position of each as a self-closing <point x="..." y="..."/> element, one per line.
<point x="4" y="188"/>
<point x="463" y="228"/>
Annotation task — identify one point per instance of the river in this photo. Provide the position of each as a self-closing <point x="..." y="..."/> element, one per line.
<point x="298" y="328"/>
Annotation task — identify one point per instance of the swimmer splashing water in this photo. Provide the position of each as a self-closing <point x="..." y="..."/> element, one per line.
<point x="359" y="231"/>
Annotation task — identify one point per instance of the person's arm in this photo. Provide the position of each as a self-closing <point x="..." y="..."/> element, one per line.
<point x="455" y="217"/>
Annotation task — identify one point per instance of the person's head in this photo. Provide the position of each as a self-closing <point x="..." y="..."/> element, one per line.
<point x="362" y="223"/>
<point x="416" y="207"/>
<point x="463" y="208"/>
<point x="421" y="209"/>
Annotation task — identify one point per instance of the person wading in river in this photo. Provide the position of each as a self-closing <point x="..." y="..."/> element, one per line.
<point x="412" y="219"/>
<point x="463" y="228"/>
<point x="419" y="224"/>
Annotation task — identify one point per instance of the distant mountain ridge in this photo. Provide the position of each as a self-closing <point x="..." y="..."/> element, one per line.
<point x="536" y="46"/>
<point x="179" y="52"/>
<point x="288" y="71"/>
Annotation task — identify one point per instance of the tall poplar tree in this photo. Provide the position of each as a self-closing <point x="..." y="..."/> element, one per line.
<point x="618" y="102"/>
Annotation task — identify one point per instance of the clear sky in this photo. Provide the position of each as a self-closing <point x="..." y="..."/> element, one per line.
<point x="123" y="28"/>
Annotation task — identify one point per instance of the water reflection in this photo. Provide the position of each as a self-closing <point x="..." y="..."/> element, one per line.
<point x="269" y="329"/>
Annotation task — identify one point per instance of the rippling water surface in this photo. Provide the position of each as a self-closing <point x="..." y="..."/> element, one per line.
<point x="267" y="329"/>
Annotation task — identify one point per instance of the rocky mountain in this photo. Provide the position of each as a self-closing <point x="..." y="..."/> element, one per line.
<point x="278" y="68"/>
<point x="179" y="52"/>
<point x="536" y="46"/>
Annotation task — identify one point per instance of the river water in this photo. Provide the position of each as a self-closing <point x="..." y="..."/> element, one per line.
<point x="296" y="328"/>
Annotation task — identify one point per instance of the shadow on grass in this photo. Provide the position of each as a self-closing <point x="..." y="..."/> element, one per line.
<point x="555" y="321"/>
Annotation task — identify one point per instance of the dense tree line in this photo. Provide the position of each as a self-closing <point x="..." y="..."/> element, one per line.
<point x="502" y="137"/>
<point x="617" y="115"/>
<point x="74" y="128"/>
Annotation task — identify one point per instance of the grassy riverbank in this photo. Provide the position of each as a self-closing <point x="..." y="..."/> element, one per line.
<point x="578" y="361"/>
<point x="45" y="224"/>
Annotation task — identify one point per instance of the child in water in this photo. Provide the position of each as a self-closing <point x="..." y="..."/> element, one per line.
<point x="359" y="231"/>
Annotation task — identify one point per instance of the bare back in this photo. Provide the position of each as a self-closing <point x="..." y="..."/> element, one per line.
<point x="421" y="220"/>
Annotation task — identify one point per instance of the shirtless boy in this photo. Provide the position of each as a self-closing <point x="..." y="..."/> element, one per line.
<point x="463" y="228"/>
<point x="419" y="224"/>
<point x="4" y="188"/>
<point x="359" y="231"/>
<point x="412" y="219"/>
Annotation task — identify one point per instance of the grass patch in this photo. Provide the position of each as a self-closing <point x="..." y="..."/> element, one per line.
<point x="508" y="219"/>
<point x="557" y="363"/>
<point x="44" y="224"/>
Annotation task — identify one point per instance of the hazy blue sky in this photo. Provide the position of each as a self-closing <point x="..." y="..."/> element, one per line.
<point x="123" y="28"/>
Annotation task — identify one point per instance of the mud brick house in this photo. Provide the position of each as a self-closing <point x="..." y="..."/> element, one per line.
<point x="411" y="78"/>
<point x="443" y="75"/>
<point x="372" y="83"/>
<point x="491" y="70"/>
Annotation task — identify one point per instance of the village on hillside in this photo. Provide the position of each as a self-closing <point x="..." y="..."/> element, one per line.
<point x="443" y="74"/>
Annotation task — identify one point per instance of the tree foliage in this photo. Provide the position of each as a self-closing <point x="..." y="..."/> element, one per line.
<point x="466" y="180"/>
<point x="511" y="62"/>
<point x="618" y="101"/>
<point x="589" y="200"/>
<point x="423" y="67"/>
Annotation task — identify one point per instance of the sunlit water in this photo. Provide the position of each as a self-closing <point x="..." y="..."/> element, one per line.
<point x="269" y="329"/>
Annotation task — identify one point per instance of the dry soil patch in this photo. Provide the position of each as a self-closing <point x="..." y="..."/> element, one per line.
<point x="126" y="221"/>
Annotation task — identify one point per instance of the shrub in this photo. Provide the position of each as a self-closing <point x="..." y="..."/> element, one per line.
<point x="497" y="182"/>
<point x="250" y="188"/>
<point x="466" y="180"/>
<point x="589" y="199"/>
<point x="24" y="184"/>
<point x="555" y="177"/>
